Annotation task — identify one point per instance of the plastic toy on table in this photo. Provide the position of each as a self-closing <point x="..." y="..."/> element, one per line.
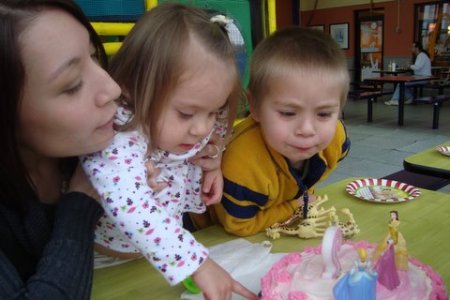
<point x="399" y="243"/>
<point x="359" y="283"/>
<point x="386" y="268"/>
<point x="190" y="286"/>
<point x="318" y="219"/>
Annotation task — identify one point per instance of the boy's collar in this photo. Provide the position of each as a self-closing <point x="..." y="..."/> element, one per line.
<point x="302" y="169"/>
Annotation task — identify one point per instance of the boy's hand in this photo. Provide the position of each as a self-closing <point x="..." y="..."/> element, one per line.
<point x="212" y="187"/>
<point x="311" y="198"/>
<point x="209" y="158"/>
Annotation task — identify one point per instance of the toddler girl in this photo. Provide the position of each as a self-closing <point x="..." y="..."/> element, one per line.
<point x="180" y="91"/>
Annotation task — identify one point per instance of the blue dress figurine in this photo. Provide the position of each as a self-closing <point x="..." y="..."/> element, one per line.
<point x="359" y="283"/>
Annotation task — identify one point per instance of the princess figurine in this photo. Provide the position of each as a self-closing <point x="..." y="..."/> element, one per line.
<point x="386" y="268"/>
<point x="399" y="243"/>
<point x="358" y="284"/>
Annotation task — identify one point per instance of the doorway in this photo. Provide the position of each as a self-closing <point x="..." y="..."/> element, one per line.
<point x="369" y="32"/>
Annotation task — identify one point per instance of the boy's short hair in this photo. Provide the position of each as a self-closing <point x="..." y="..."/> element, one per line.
<point x="302" y="50"/>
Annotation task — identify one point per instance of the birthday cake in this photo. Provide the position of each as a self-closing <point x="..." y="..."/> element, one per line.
<point x="308" y="275"/>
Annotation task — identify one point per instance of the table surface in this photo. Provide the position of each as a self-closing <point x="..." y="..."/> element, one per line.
<point x="424" y="224"/>
<point x="429" y="162"/>
<point x="398" y="71"/>
<point x="402" y="78"/>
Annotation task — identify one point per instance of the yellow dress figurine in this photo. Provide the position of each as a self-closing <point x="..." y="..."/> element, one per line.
<point x="401" y="252"/>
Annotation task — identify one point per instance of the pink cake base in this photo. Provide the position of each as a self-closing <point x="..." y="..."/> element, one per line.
<point x="297" y="276"/>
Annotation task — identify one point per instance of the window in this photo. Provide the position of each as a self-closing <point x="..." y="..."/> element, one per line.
<point x="432" y="27"/>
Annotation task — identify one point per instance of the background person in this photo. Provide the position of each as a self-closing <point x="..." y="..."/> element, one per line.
<point x="421" y="67"/>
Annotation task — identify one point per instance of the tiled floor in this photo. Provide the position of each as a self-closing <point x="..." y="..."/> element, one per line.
<point x="378" y="148"/>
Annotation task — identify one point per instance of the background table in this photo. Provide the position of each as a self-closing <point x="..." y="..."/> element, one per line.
<point x="429" y="162"/>
<point x="390" y="72"/>
<point x="424" y="224"/>
<point x="401" y="80"/>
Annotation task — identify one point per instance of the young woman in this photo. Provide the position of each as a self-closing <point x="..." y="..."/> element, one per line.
<point x="57" y="103"/>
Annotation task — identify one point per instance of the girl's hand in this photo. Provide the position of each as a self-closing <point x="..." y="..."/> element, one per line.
<point x="217" y="284"/>
<point x="80" y="183"/>
<point x="209" y="158"/>
<point x="212" y="187"/>
<point x="152" y="173"/>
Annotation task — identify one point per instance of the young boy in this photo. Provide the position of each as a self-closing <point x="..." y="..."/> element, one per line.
<point x="293" y="138"/>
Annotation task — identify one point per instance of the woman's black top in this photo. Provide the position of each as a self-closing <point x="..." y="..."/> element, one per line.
<point x="47" y="252"/>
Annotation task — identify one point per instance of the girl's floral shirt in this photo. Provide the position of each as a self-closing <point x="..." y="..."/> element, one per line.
<point x="138" y="219"/>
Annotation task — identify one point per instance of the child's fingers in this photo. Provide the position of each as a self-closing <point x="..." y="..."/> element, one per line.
<point x="212" y="191"/>
<point x="152" y="174"/>
<point x="209" y="158"/>
<point x="244" y="292"/>
<point x="210" y="151"/>
<point x="207" y="190"/>
<point x="152" y="171"/>
<point x="207" y="163"/>
<point x="159" y="186"/>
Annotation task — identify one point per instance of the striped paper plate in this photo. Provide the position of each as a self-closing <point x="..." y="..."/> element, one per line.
<point x="382" y="190"/>
<point x="444" y="150"/>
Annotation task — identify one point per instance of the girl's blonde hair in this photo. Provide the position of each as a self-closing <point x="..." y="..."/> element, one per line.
<point x="303" y="51"/>
<point x="150" y="61"/>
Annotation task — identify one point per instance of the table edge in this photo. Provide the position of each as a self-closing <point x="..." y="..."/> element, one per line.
<point x="425" y="170"/>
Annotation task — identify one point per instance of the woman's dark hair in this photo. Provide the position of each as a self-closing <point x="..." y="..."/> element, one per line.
<point x="15" y="16"/>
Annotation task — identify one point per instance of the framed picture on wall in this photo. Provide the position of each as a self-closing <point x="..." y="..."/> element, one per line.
<point x="317" y="27"/>
<point x="340" y="34"/>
